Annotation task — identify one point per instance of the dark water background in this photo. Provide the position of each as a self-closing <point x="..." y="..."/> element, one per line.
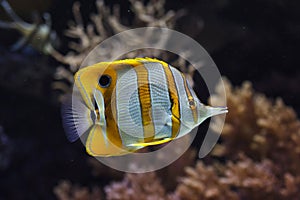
<point x="249" y="40"/>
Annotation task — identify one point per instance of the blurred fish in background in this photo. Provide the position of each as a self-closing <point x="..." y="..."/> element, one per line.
<point x="38" y="35"/>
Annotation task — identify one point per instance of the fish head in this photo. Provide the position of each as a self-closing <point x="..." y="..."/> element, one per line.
<point x="97" y="80"/>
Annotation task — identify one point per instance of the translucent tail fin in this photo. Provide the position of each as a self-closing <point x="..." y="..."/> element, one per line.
<point x="213" y="111"/>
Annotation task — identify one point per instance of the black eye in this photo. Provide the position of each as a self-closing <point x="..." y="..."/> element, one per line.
<point x="104" y="80"/>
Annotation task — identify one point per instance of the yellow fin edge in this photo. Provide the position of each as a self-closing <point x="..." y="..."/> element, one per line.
<point x="150" y="143"/>
<point x="134" y="61"/>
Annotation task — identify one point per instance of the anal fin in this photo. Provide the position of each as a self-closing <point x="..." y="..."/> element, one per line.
<point x="98" y="144"/>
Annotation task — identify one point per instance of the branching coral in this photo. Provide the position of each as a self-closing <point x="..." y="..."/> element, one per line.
<point x="103" y="25"/>
<point x="136" y="187"/>
<point x="260" y="128"/>
<point x="66" y="191"/>
<point x="250" y="179"/>
<point x="203" y="182"/>
<point x="242" y="179"/>
<point x="170" y="181"/>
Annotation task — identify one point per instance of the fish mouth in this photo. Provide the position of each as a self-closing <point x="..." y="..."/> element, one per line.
<point x="99" y="108"/>
<point x="95" y="113"/>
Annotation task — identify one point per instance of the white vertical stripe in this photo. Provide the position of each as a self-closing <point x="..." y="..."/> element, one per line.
<point x="160" y="100"/>
<point x="186" y="114"/>
<point x="129" y="119"/>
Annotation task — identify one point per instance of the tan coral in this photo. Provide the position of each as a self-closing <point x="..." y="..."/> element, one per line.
<point x="260" y="127"/>
<point x="291" y="188"/>
<point x="66" y="191"/>
<point x="136" y="187"/>
<point x="202" y="182"/>
<point x="252" y="180"/>
<point x="242" y="179"/>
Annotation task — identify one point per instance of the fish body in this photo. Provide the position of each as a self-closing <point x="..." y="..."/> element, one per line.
<point x="126" y="105"/>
